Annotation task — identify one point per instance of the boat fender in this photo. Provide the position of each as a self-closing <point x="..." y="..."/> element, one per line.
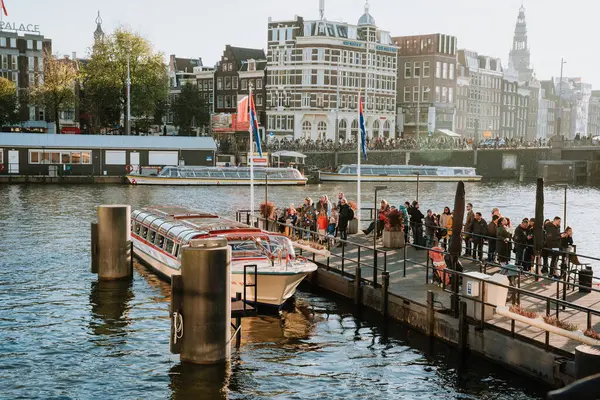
<point x="133" y="182"/>
<point x="129" y="168"/>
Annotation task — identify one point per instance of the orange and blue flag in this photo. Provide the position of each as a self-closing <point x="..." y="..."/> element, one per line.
<point x="254" y="126"/>
<point x="363" y="131"/>
<point x="4" y="8"/>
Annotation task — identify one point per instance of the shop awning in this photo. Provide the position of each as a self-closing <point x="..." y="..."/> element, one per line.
<point x="285" y="153"/>
<point x="448" y="132"/>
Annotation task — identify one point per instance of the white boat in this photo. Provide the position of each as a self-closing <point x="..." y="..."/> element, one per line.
<point x="220" y="176"/>
<point x="160" y="233"/>
<point x="400" y="173"/>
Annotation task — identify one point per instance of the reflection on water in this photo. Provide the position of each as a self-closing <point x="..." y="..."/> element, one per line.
<point x="64" y="335"/>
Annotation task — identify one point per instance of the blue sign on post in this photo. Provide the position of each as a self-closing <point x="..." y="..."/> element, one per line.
<point x="271" y="134"/>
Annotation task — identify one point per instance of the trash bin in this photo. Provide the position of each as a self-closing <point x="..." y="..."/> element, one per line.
<point x="495" y="294"/>
<point x="585" y="280"/>
<point x="471" y="290"/>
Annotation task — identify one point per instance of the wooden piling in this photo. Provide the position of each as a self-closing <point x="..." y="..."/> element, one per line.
<point x="357" y="288"/>
<point x="385" y="285"/>
<point x="430" y="314"/>
<point x="114" y="242"/>
<point x="463" y="327"/>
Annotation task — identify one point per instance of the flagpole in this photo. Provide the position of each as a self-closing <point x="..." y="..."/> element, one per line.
<point x="358" y="143"/>
<point x="250" y="155"/>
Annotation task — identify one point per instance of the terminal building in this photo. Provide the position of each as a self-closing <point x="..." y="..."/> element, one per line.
<point x="99" y="155"/>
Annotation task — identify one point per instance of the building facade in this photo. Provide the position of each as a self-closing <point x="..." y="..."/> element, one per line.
<point x="520" y="54"/>
<point x="22" y="62"/>
<point x="317" y="72"/>
<point x="594" y="115"/>
<point x="479" y="102"/>
<point x="426" y="83"/>
<point x="547" y="111"/>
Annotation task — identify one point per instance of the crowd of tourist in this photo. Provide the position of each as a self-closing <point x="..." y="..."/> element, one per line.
<point x="506" y="242"/>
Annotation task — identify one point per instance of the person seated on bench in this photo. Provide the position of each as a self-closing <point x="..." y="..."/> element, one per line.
<point x="436" y="254"/>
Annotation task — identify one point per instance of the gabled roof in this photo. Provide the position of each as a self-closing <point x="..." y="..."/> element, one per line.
<point x="187" y="64"/>
<point x="242" y="54"/>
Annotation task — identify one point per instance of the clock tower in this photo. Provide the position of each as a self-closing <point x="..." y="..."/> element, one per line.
<point x="520" y="55"/>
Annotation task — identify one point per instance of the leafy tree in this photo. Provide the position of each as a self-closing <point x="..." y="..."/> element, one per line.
<point x="8" y="102"/>
<point x="106" y="77"/>
<point x="189" y="109"/>
<point x="55" y="88"/>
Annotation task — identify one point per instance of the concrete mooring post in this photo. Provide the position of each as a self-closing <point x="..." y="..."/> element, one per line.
<point x="201" y="303"/>
<point x="111" y="243"/>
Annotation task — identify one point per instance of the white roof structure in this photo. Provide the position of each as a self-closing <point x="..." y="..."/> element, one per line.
<point x="285" y="153"/>
<point x="448" y="132"/>
<point x="37" y="140"/>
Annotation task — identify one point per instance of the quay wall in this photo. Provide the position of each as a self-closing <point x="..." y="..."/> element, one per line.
<point x="490" y="163"/>
<point x="518" y="355"/>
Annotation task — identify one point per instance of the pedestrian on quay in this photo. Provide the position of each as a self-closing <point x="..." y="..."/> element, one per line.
<point x="528" y="256"/>
<point x="308" y="217"/>
<point x="503" y="238"/>
<point x="478" y="233"/>
<point x="291" y="218"/>
<point x="332" y="227"/>
<point x="431" y="225"/>
<point x="467" y="230"/>
<point x="384" y="210"/>
<point x="566" y="243"/>
<point x="553" y="237"/>
<point x="416" y="223"/>
<point x="446" y="225"/>
<point x="322" y="225"/>
<point x="404" y="210"/>
<point x="491" y="233"/>
<point x="545" y="251"/>
<point x="340" y="198"/>
<point x="520" y="240"/>
<point x="345" y="216"/>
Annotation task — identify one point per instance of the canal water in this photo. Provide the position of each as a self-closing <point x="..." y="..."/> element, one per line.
<point x="64" y="335"/>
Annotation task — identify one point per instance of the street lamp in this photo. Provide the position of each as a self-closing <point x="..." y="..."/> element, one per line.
<point x="559" y="119"/>
<point x="376" y="218"/>
<point x="128" y="83"/>
<point x="565" y="186"/>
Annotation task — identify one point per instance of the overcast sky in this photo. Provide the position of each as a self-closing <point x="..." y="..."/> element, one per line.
<point x="202" y="28"/>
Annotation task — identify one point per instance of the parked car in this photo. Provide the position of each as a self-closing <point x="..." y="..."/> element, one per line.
<point x="490" y="143"/>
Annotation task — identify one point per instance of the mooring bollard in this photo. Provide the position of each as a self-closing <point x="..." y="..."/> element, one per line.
<point x="385" y="285"/>
<point x="357" y="288"/>
<point x="111" y="243"/>
<point x="238" y="324"/>
<point x="94" y="245"/>
<point x="430" y="314"/>
<point x="201" y="303"/>
<point x="463" y="327"/>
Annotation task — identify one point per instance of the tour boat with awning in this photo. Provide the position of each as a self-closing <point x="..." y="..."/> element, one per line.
<point x="160" y="233"/>
<point x="220" y="176"/>
<point x="400" y="173"/>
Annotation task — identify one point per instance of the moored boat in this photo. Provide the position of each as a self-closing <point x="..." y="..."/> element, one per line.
<point x="160" y="233"/>
<point x="220" y="176"/>
<point x="400" y="173"/>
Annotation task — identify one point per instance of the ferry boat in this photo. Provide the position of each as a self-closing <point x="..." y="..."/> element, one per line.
<point x="160" y="233"/>
<point x="400" y="173"/>
<point x="220" y="176"/>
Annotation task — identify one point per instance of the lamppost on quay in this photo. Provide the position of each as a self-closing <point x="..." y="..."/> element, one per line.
<point x="128" y="83"/>
<point x="565" y="186"/>
<point x="376" y="221"/>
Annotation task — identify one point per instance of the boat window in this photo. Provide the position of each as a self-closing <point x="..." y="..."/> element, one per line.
<point x="216" y="174"/>
<point x="245" y="249"/>
<point x="151" y="236"/>
<point x="144" y="232"/>
<point x="137" y="228"/>
<point x="351" y="170"/>
<point x="177" y="251"/>
<point x="231" y="174"/>
<point x="169" y="246"/>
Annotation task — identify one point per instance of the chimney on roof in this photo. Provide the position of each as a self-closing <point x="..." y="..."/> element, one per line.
<point x="74" y="56"/>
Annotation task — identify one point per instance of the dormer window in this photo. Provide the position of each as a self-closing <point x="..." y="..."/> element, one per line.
<point x="251" y="65"/>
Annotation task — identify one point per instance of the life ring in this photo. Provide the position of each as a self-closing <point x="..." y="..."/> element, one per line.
<point x="1" y="167"/>
<point x="133" y="182"/>
<point x="129" y="168"/>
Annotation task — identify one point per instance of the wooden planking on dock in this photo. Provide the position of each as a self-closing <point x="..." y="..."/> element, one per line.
<point x="414" y="288"/>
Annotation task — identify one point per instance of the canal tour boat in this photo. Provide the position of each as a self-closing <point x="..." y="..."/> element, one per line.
<point x="160" y="233"/>
<point x="400" y="173"/>
<point x="220" y="176"/>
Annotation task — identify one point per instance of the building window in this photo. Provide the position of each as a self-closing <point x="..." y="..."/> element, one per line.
<point x="444" y="94"/>
<point x="415" y="94"/>
<point x="219" y="101"/>
<point x="227" y="83"/>
<point x="354" y="129"/>
<point x="426" y="91"/>
<point x="244" y="84"/>
<point x="31" y="63"/>
<point x="407" y="70"/>
<point x="450" y="95"/>
<point x="306" y="129"/>
<point x="219" y="83"/>
<point x="3" y="41"/>
<point x="5" y="61"/>
<point x="406" y="94"/>
<point x="39" y="45"/>
<point x="259" y="84"/>
<point x="417" y="70"/>
<point x="234" y="83"/>
<point x="305" y="100"/>
<point x="29" y="44"/>
<point x="259" y="100"/>
<point x="425" y="69"/>
<point x="438" y="70"/>
<point x="445" y="71"/>
<point x="451" y="71"/>
<point x="437" y="94"/>
<point x="322" y="130"/>
<point x="13" y="42"/>
<point x="320" y="100"/>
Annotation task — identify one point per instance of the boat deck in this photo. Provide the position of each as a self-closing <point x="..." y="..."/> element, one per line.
<point x="241" y="310"/>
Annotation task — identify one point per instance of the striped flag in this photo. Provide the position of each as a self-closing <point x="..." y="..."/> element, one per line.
<point x="4" y="8"/>
<point x="254" y="125"/>
<point x="363" y="131"/>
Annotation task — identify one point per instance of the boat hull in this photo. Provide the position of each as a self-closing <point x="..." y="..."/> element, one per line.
<point x="334" y="177"/>
<point x="273" y="288"/>
<point x="157" y="180"/>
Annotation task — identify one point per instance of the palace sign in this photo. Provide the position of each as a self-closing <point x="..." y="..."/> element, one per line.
<point x="13" y="26"/>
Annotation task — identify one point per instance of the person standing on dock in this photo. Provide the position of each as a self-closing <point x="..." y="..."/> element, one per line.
<point x="430" y="228"/>
<point x="446" y="224"/>
<point x="528" y="257"/>
<point x="478" y="233"/>
<point x="520" y="239"/>
<point x="467" y="230"/>
<point x="346" y="215"/>
<point x="416" y="223"/>
<point x="503" y="237"/>
<point x="553" y="237"/>
<point x="491" y="233"/>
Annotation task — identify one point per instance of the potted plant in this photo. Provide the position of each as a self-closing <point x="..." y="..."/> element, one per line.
<point x="353" y="225"/>
<point x="393" y="232"/>
<point x="267" y="211"/>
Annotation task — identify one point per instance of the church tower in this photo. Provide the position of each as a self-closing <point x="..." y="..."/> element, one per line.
<point x="99" y="33"/>
<point x="520" y="56"/>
